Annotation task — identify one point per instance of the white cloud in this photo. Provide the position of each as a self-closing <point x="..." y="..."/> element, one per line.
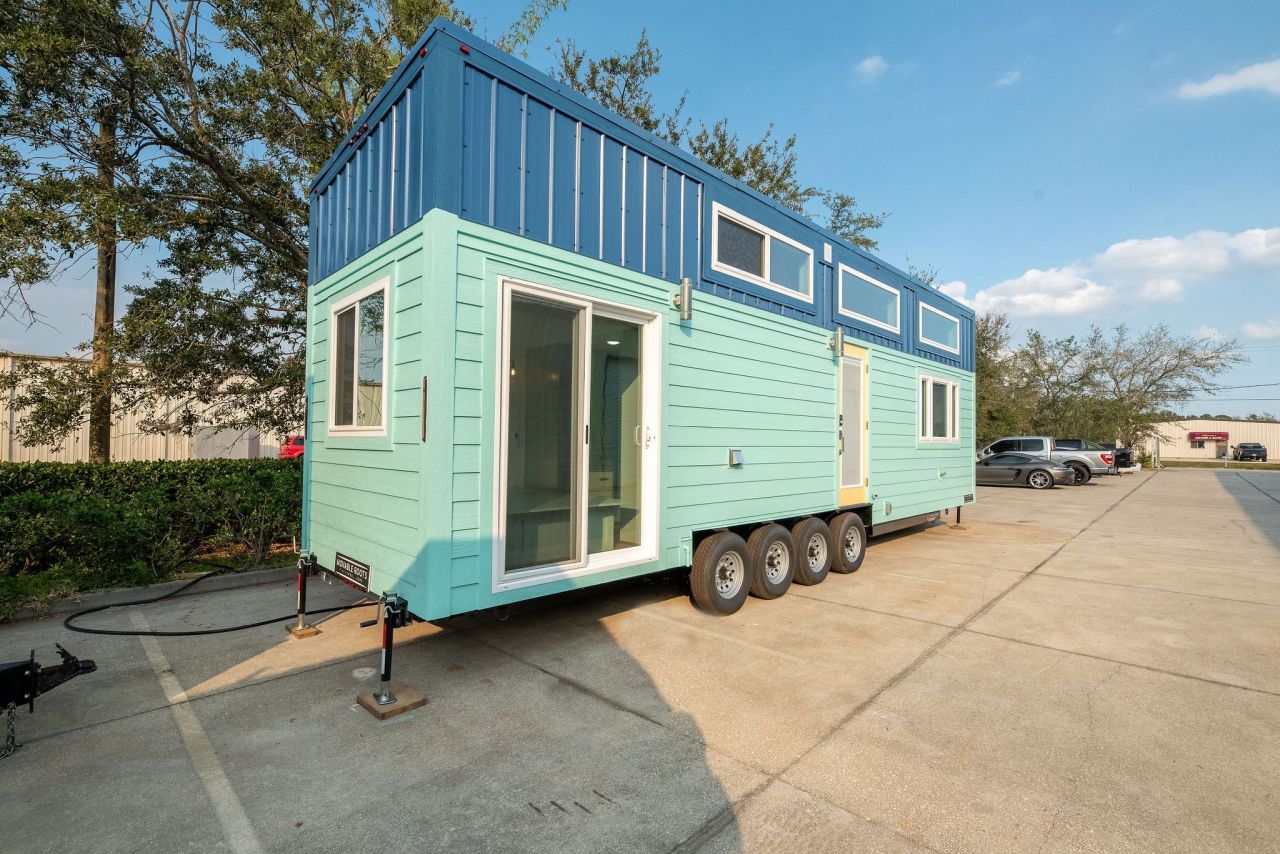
<point x="1009" y="78"/>
<point x="955" y="290"/>
<point x="1199" y="253"/>
<point x="1269" y="328"/>
<point x="1261" y="76"/>
<point x="871" y="68"/>
<point x="1148" y="270"/>
<point x="1058" y="291"/>
<point x="1210" y="332"/>
<point x="1162" y="290"/>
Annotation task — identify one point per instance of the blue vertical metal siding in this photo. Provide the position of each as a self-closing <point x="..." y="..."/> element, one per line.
<point x="379" y="189"/>
<point x="557" y="180"/>
<point x="537" y="171"/>
<point x="632" y="209"/>
<point x="611" y="189"/>
<point x="463" y="127"/>
<point x="691" y="229"/>
<point x="507" y="145"/>
<point x="589" y="165"/>
<point x="564" y="163"/>
<point x="477" y="117"/>
<point x="655" y="211"/>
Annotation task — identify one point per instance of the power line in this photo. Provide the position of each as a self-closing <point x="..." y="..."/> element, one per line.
<point x="1231" y="400"/>
<point x="1255" y="385"/>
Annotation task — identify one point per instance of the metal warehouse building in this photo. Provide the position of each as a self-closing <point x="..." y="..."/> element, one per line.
<point x="1210" y="438"/>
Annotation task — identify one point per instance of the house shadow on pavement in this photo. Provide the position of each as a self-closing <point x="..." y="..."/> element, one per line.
<point x="542" y="733"/>
<point x="1257" y="494"/>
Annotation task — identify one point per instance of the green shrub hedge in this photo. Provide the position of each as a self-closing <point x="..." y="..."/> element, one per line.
<point x="80" y="526"/>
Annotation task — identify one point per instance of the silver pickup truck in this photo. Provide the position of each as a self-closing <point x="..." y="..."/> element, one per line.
<point x="1084" y="457"/>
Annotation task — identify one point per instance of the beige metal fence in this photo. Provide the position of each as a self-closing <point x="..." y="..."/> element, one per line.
<point x="128" y="440"/>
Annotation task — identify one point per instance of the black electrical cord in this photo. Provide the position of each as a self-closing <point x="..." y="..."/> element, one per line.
<point x="67" y="623"/>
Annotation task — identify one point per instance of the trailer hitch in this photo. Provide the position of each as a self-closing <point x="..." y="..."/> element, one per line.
<point x="23" y="681"/>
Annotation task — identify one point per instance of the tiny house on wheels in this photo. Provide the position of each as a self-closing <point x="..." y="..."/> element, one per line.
<point x="547" y="350"/>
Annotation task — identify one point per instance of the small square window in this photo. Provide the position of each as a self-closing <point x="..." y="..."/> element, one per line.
<point x="739" y="246"/>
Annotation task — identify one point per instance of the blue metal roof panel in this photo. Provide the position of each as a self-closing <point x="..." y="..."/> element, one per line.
<point x="514" y="149"/>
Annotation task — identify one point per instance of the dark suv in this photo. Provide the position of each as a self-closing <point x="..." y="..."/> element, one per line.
<point x="1249" y="451"/>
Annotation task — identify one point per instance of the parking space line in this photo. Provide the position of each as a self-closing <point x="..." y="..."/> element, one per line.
<point x="235" y="823"/>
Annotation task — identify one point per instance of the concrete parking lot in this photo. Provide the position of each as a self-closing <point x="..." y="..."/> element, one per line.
<point x="1093" y="668"/>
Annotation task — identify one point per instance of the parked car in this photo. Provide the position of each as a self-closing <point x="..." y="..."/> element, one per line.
<point x="1019" y="469"/>
<point x="1085" y="461"/>
<point x="292" y="447"/>
<point x="1249" y="451"/>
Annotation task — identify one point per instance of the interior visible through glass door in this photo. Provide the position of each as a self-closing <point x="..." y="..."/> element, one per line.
<point x="542" y="434"/>
<point x="615" y="452"/>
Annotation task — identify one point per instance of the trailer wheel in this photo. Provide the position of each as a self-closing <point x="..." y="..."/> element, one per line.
<point x="1083" y="475"/>
<point x="773" y="560"/>
<point x="720" y="577"/>
<point x="850" y="538"/>
<point x="812" y="540"/>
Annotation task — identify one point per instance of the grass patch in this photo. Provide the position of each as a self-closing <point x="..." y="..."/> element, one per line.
<point x="1219" y="464"/>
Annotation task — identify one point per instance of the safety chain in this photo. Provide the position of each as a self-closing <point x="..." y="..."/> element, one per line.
<point x="11" y="740"/>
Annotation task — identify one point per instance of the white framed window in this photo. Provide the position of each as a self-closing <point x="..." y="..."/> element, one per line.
<point x="939" y="329"/>
<point x="746" y="249"/>
<point x="871" y="301"/>
<point x="939" y="409"/>
<point x="358" y="362"/>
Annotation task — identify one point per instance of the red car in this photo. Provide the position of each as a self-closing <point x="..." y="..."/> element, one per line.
<point x="291" y="448"/>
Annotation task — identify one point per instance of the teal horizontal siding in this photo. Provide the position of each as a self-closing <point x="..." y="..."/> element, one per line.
<point x="735" y="377"/>
<point x="364" y="493"/>
<point x="909" y="475"/>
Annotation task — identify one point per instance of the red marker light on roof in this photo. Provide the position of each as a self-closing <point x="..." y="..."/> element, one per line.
<point x="464" y="48"/>
<point x="422" y="51"/>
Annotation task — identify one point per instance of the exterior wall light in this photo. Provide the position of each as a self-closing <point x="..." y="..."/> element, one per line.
<point x="684" y="299"/>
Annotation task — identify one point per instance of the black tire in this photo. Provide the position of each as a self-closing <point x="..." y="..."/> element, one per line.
<point x="1039" y="479"/>
<point x="812" y="539"/>
<point x="773" y="560"/>
<point x="718" y="585"/>
<point x="849" y="536"/>
<point x="1083" y="474"/>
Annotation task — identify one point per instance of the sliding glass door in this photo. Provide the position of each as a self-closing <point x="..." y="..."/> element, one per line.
<point x="542" y="454"/>
<point x="576" y="476"/>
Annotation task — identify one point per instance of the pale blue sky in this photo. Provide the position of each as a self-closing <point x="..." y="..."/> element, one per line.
<point x="1092" y="164"/>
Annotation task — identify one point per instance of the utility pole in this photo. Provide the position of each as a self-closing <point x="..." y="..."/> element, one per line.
<point x="104" y="314"/>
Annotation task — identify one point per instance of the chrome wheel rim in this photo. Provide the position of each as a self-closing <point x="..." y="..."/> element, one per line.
<point x="852" y="544"/>
<point x="1039" y="479"/>
<point x="729" y="575"/>
<point x="816" y="552"/>
<point x="777" y="561"/>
